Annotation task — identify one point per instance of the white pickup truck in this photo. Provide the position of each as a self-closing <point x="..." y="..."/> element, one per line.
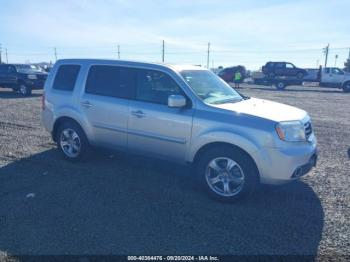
<point x="334" y="77"/>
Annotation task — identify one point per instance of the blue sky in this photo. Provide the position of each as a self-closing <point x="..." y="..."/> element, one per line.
<point x="240" y="32"/>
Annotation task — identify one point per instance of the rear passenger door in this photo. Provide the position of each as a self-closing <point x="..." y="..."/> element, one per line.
<point x="154" y="128"/>
<point x="105" y="103"/>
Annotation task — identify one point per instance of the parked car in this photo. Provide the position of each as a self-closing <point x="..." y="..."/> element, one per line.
<point x="185" y="114"/>
<point x="280" y="82"/>
<point x="272" y="69"/>
<point x="228" y="73"/>
<point x="334" y="77"/>
<point x="21" y="78"/>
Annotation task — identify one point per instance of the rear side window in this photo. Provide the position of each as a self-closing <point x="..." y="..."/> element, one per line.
<point x="112" y="81"/>
<point x="155" y="87"/>
<point x="66" y="77"/>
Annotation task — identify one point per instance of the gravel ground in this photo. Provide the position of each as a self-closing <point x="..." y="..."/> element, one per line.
<point x="120" y="204"/>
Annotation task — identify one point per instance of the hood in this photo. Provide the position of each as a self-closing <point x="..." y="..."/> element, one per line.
<point x="265" y="109"/>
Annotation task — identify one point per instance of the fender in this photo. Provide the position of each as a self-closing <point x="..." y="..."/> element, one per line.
<point x="71" y="112"/>
<point x="228" y="137"/>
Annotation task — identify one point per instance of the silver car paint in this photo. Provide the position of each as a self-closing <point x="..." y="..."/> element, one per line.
<point x="179" y="133"/>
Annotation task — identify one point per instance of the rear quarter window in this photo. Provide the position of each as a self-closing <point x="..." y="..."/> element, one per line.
<point x="66" y="77"/>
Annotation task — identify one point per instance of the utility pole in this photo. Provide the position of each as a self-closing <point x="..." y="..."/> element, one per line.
<point x="118" y="51"/>
<point x="208" y="55"/>
<point x="335" y="60"/>
<point x="7" y="59"/>
<point x="55" y="51"/>
<point x="317" y="63"/>
<point x="0" y="53"/>
<point x="163" y="51"/>
<point x="325" y="51"/>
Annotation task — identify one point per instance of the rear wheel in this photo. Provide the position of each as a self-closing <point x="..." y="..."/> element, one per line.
<point x="227" y="173"/>
<point x="72" y="141"/>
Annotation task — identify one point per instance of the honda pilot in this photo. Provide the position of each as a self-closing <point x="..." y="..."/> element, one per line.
<point x="185" y="114"/>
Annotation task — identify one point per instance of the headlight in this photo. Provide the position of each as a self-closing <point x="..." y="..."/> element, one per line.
<point x="32" y="77"/>
<point x="291" y="131"/>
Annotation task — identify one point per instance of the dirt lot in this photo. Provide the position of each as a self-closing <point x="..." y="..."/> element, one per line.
<point x="119" y="204"/>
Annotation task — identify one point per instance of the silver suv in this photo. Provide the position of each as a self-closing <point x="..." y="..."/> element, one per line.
<point x="181" y="113"/>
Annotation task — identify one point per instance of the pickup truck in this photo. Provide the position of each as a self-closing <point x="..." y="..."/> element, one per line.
<point x="334" y="77"/>
<point x="280" y="82"/>
<point x="21" y="78"/>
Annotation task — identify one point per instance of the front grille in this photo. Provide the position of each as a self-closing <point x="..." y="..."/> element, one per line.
<point x="41" y="77"/>
<point x="308" y="129"/>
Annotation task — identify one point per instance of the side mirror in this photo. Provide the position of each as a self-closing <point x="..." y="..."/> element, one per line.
<point x="176" y="101"/>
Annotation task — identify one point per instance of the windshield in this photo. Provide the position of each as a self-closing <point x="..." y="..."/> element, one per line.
<point x="209" y="87"/>
<point x="26" y="68"/>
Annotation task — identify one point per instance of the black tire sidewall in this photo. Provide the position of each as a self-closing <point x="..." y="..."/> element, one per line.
<point x="85" y="148"/>
<point x="345" y="88"/>
<point x="250" y="173"/>
<point x="280" y="87"/>
<point x="300" y="75"/>
<point x="28" y="91"/>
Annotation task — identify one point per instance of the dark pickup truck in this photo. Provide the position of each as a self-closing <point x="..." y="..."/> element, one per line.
<point x="22" y="78"/>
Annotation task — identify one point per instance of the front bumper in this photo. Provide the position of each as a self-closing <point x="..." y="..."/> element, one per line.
<point x="36" y="83"/>
<point x="282" y="165"/>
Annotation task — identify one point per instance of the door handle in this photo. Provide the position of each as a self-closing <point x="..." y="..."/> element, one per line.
<point x="86" y="104"/>
<point x="138" y="113"/>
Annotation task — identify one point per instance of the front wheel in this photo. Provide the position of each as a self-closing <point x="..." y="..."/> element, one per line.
<point x="280" y="85"/>
<point x="24" y="90"/>
<point x="300" y="75"/>
<point x="346" y="87"/>
<point x="72" y="142"/>
<point x="227" y="173"/>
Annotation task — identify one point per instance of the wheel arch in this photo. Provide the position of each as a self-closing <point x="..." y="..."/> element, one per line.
<point x="59" y="121"/>
<point x="211" y="145"/>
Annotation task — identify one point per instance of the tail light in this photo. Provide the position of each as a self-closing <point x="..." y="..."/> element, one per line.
<point x="43" y="102"/>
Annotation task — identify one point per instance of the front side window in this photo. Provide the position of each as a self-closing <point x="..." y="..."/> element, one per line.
<point x="155" y="87"/>
<point x="209" y="87"/>
<point x="66" y="77"/>
<point x="111" y="81"/>
<point x="337" y="71"/>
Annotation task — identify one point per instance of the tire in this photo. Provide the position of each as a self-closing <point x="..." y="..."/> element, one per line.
<point x="280" y="85"/>
<point x="300" y="75"/>
<point x="24" y="89"/>
<point x="346" y="87"/>
<point x="72" y="142"/>
<point x="225" y="165"/>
